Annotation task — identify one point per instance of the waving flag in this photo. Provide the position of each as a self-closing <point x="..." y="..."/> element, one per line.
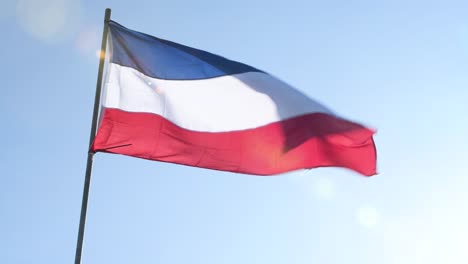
<point x="168" y="102"/>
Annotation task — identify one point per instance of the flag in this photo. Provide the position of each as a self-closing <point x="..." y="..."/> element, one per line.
<point x="168" y="102"/>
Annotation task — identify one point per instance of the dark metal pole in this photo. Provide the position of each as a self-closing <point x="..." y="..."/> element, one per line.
<point x="89" y="164"/>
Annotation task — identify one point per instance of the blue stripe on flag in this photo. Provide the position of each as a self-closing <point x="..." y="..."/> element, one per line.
<point x="164" y="59"/>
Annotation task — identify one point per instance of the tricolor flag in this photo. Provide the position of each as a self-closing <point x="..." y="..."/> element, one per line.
<point x="168" y="102"/>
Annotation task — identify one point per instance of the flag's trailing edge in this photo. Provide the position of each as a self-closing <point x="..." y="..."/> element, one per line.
<point x="168" y="102"/>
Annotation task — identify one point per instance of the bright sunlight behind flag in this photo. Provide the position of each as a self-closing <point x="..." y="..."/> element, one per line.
<point x="168" y="102"/>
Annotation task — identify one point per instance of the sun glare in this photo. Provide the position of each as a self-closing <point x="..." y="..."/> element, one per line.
<point x="100" y="54"/>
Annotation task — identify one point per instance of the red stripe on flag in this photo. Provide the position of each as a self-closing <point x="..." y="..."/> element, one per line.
<point x="308" y="141"/>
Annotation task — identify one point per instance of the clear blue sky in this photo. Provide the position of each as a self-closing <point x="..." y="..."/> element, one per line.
<point x="398" y="66"/>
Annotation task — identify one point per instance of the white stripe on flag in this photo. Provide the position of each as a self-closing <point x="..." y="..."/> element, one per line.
<point x="227" y="103"/>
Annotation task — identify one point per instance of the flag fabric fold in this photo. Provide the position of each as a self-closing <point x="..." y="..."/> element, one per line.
<point x="168" y="102"/>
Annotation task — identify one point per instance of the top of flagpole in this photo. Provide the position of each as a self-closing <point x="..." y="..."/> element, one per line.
<point x="107" y="15"/>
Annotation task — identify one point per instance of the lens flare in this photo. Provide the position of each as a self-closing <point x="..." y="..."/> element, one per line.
<point x="87" y="41"/>
<point x="100" y="54"/>
<point x="367" y="216"/>
<point x="324" y="188"/>
<point x="47" y="20"/>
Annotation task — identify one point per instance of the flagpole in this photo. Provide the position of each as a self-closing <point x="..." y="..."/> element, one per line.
<point x="89" y="163"/>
